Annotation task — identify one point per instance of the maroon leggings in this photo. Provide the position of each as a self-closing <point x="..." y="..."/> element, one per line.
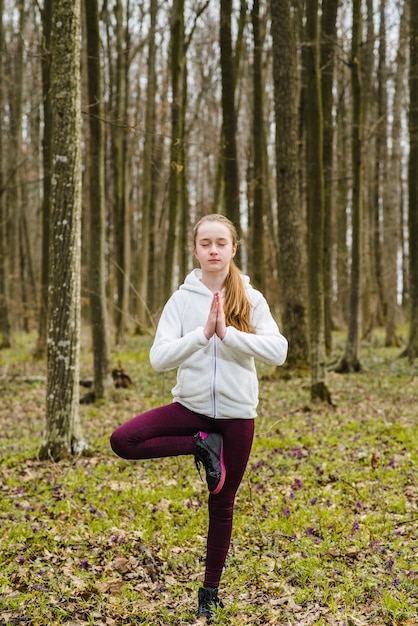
<point x="169" y="431"/>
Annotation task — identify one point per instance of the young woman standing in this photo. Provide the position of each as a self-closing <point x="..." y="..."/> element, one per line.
<point x="211" y="329"/>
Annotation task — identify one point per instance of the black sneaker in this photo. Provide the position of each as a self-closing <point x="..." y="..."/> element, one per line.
<point x="209" y="453"/>
<point x="208" y="601"/>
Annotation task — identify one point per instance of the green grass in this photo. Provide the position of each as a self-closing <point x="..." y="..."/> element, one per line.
<point x="326" y="518"/>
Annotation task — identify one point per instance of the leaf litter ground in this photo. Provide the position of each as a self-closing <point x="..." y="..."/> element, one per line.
<point x="326" y="518"/>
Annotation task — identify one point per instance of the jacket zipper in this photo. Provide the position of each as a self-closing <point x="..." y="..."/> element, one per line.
<point x="214" y="408"/>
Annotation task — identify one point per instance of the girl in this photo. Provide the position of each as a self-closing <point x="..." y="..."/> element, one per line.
<point x="211" y="329"/>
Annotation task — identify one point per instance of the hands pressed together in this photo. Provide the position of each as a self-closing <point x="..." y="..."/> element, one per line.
<point x="216" y="319"/>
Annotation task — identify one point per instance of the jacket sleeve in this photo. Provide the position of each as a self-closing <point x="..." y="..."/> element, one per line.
<point x="266" y="343"/>
<point x="171" y="348"/>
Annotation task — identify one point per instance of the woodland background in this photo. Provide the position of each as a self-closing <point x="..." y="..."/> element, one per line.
<point x="124" y="122"/>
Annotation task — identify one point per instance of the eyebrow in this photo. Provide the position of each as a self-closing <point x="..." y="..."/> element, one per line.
<point x="216" y="239"/>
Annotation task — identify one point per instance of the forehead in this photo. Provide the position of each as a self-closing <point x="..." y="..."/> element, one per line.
<point x="213" y="230"/>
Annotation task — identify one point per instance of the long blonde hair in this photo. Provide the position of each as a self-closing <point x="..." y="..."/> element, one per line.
<point x="237" y="307"/>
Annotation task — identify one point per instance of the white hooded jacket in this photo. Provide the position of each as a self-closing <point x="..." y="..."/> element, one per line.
<point x="215" y="377"/>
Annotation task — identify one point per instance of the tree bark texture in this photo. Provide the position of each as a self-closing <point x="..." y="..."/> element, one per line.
<point x="350" y="360"/>
<point x="412" y="348"/>
<point x="46" y="16"/>
<point x="97" y="209"/>
<point x="5" y="329"/>
<point x="176" y="166"/>
<point x="149" y="173"/>
<point x="63" y="431"/>
<point x="315" y="204"/>
<point x="259" y="179"/>
<point x="120" y="177"/>
<point x="393" y="205"/>
<point x="292" y="261"/>
<point x="328" y="43"/>
<point x="229" y="122"/>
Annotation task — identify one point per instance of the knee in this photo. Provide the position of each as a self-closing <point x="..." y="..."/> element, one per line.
<point x="116" y="443"/>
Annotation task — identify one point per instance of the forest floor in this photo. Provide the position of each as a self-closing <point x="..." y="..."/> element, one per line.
<point x="326" y="519"/>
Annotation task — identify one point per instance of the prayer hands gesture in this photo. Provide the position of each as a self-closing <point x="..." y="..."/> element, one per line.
<point x="216" y="319"/>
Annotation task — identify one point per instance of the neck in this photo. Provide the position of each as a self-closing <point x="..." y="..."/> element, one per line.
<point x="214" y="282"/>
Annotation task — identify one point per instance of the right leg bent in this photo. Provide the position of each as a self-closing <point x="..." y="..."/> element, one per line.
<point x="168" y="430"/>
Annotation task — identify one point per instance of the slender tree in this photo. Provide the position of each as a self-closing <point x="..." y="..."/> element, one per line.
<point x="393" y="205"/>
<point x="412" y="347"/>
<point x="149" y="173"/>
<point x="259" y="211"/>
<point x="5" y="330"/>
<point x="229" y="121"/>
<point x="383" y="254"/>
<point x="120" y="175"/>
<point x="16" y="288"/>
<point x="46" y="16"/>
<point x="177" y="68"/>
<point x="98" y="309"/>
<point x="350" y="360"/>
<point x="315" y="204"/>
<point x="328" y="44"/>
<point x="343" y="169"/>
<point x="293" y="285"/>
<point x="63" y="431"/>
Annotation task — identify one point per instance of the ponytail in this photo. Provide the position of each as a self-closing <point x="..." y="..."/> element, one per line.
<point x="237" y="307"/>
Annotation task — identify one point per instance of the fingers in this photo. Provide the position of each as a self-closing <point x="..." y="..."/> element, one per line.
<point x="216" y="318"/>
<point x="220" y="319"/>
<point x="210" y="327"/>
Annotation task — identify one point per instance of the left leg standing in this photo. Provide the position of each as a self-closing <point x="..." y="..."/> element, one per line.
<point x="237" y="441"/>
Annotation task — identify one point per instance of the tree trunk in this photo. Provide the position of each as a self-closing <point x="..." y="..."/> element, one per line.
<point x="381" y="252"/>
<point x="98" y="310"/>
<point x="63" y="431"/>
<point x="176" y="166"/>
<point x="328" y="42"/>
<point x="148" y="199"/>
<point x="393" y="204"/>
<point x="315" y="205"/>
<point x="371" y="287"/>
<point x="46" y="16"/>
<point x="229" y="122"/>
<point x="293" y="286"/>
<point x="120" y="174"/>
<point x="412" y="347"/>
<point x="16" y="289"/>
<point x="342" y="200"/>
<point x="5" y="331"/>
<point x="350" y="361"/>
<point x="259" y="182"/>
